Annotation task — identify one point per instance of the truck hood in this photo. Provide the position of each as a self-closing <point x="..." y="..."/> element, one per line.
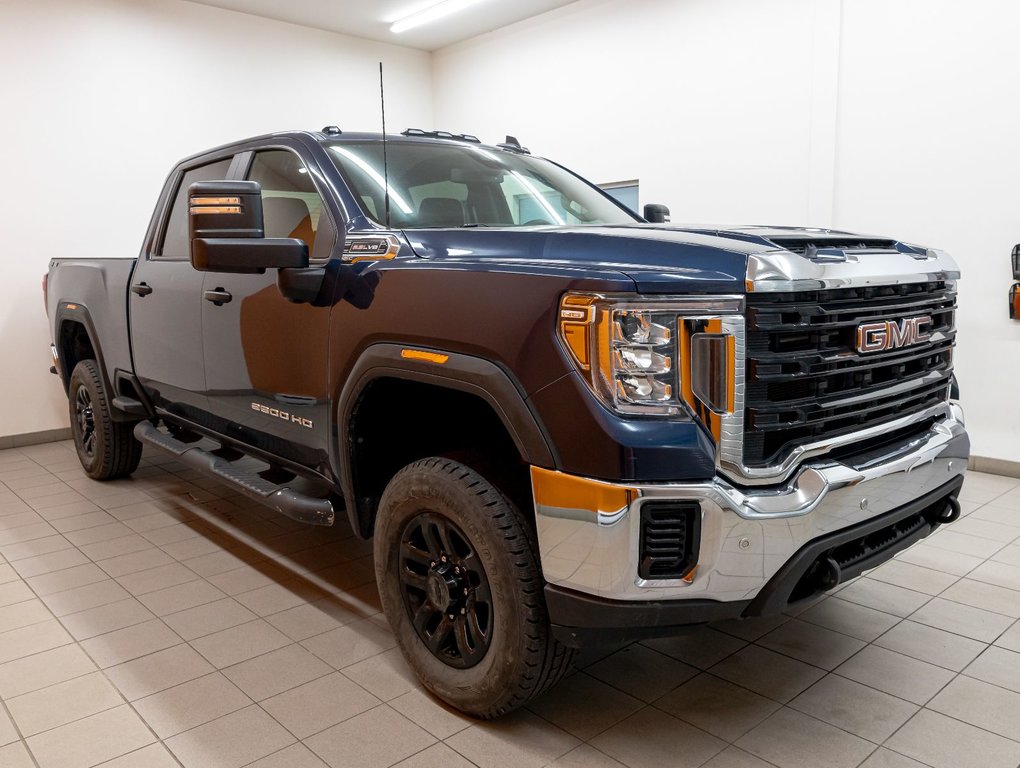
<point x="659" y="258"/>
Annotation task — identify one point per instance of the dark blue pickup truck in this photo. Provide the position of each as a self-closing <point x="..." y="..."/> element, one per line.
<point x="562" y="424"/>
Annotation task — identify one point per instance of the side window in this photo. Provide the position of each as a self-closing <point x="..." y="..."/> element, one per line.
<point x="175" y="238"/>
<point x="625" y="192"/>
<point x="291" y="205"/>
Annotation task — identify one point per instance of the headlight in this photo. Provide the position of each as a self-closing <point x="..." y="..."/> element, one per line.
<point x="652" y="357"/>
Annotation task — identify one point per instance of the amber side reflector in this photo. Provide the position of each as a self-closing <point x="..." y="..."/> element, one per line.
<point x="1014" y="302"/>
<point x="576" y="316"/>
<point x="421" y="354"/>
<point x="563" y="491"/>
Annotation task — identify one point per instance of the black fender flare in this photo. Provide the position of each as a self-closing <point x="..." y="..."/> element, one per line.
<point x="465" y="373"/>
<point x="77" y="312"/>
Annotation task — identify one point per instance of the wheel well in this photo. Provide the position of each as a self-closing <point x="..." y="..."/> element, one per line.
<point x="396" y="422"/>
<point x="74" y="346"/>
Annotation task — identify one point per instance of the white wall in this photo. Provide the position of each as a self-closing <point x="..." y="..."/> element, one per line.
<point x="686" y="96"/>
<point x="929" y="149"/>
<point x="99" y="99"/>
<point x="895" y="117"/>
<point x="888" y="116"/>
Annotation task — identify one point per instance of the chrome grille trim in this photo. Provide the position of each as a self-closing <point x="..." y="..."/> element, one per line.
<point x="784" y="271"/>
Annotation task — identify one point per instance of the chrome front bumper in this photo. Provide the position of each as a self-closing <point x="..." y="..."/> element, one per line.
<point x="746" y="534"/>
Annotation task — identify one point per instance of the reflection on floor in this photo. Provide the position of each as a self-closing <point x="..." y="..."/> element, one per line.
<point x="162" y="621"/>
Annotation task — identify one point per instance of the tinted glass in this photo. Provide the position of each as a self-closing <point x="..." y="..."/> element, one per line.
<point x="628" y="195"/>
<point x="450" y="185"/>
<point x="175" y="239"/>
<point x="291" y="206"/>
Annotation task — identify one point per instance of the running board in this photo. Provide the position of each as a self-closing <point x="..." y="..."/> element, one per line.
<point x="293" y="504"/>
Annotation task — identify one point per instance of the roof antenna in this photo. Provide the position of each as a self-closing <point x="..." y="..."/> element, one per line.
<point x="386" y="174"/>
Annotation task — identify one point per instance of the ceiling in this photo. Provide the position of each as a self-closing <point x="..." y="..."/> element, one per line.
<point x="372" y="18"/>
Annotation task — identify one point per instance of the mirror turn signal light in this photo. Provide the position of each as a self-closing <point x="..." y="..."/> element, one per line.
<point x="228" y="205"/>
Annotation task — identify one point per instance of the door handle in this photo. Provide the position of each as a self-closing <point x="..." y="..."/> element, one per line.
<point x="142" y="289"/>
<point x="219" y="297"/>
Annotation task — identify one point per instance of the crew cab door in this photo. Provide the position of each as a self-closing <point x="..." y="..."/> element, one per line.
<point x="165" y="304"/>
<point x="266" y="358"/>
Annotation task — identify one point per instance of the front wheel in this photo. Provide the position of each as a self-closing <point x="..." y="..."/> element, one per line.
<point x="106" y="448"/>
<point x="461" y="586"/>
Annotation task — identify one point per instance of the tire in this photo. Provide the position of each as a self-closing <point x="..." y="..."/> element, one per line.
<point x="485" y="671"/>
<point x="107" y="449"/>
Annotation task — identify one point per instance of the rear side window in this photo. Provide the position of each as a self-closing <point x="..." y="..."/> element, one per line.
<point x="291" y="205"/>
<point x="175" y="238"/>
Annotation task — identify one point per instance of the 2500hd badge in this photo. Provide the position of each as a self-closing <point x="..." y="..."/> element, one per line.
<point x="269" y="411"/>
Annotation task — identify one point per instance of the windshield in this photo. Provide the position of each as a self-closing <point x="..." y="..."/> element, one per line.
<point x="446" y="185"/>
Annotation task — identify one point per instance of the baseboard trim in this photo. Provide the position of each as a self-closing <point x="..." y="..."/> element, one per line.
<point x="35" y="438"/>
<point x="994" y="466"/>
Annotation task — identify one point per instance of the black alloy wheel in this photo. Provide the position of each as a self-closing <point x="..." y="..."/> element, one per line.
<point x="445" y="590"/>
<point x="456" y="563"/>
<point x="85" y="417"/>
<point x="106" y="447"/>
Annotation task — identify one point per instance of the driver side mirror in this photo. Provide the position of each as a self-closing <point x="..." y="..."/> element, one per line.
<point x="656" y="214"/>
<point x="227" y="231"/>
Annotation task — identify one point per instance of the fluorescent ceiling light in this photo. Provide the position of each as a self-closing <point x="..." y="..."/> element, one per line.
<point x="430" y="14"/>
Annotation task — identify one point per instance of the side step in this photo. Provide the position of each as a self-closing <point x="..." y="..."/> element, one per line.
<point x="294" y="504"/>
<point x="129" y="405"/>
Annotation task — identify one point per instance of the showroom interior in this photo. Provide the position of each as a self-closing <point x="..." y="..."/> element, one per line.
<point x="164" y="619"/>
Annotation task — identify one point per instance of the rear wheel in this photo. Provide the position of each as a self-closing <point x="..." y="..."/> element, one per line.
<point x="107" y="449"/>
<point x="461" y="586"/>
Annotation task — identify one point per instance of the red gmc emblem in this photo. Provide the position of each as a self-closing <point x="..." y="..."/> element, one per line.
<point x="881" y="336"/>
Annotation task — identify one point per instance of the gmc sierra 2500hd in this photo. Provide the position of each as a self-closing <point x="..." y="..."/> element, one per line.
<point x="562" y="424"/>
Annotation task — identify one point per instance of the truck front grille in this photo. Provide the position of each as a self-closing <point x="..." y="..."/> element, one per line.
<point x="806" y="381"/>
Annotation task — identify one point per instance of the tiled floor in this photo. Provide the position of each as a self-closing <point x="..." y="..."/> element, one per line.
<point x="160" y="621"/>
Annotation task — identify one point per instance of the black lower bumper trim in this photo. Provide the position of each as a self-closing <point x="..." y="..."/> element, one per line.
<point x="582" y="620"/>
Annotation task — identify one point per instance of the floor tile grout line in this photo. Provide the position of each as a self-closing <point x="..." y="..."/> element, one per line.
<point x="332" y="725"/>
<point x="989" y="610"/>
<point x="900" y="619"/>
<point x="896" y="751"/>
<point x="926" y="708"/>
<point x="105" y="677"/>
<point x="782" y="706"/>
<point x="134" y="751"/>
<point x="17" y="729"/>
<point x="102" y="671"/>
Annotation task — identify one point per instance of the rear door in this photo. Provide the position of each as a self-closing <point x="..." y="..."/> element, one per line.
<point x="165" y="304"/>
<point x="266" y="358"/>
